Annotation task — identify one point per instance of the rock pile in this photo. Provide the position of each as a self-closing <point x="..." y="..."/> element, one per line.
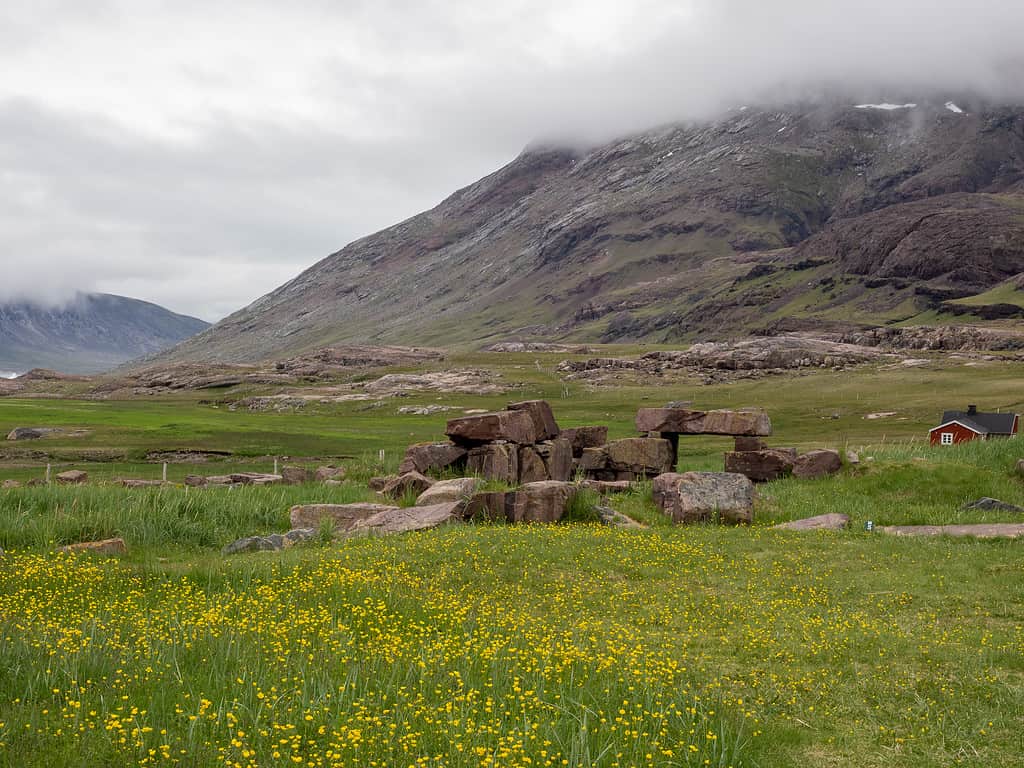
<point x="755" y="460"/>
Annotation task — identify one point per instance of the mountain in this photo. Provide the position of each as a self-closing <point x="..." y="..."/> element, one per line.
<point x="825" y="214"/>
<point x="93" y="332"/>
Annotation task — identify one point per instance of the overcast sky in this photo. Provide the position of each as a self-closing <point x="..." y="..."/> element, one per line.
<point x="198" y="154"/>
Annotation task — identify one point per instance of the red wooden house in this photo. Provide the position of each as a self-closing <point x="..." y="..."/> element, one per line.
<point x="964" y="426"/>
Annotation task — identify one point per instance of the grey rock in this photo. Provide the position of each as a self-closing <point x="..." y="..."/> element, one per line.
<point x="106" y="547"/>
<point x="987" y="503"/>
<point x="412" y="483"/>
<point x="72" y="477"/>
<point x="832" y="521"/>
<point x="978" y="530"/>
<point x="693" y="497"/>
<point x="341" y="516"/>
<point x="404" y="519"/>
<point x="447" y="491"/>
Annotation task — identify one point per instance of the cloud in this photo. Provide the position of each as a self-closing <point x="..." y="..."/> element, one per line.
<point x="197" y="155"/>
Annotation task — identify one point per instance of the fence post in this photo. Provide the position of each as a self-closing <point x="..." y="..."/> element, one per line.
<point x="47" y="474"/>
<point x="165" y="472"/>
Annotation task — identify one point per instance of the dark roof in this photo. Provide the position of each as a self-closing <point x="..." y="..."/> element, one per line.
<point x="982" y="423"/>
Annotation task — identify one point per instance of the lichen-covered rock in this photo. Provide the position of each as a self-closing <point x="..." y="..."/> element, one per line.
<point x="446" y="491"/>
<point x="833" y="521"/>
<point x="404" y="519"/>
<point x="684" y="421"/>
<point x="819" y="463"/>
<point x="511" y="426"/>
<point x="543" y="418"/>
<point x="693" y="497"/>
<point x="275" y="542"/>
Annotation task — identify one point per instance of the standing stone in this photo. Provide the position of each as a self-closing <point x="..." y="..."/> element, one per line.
<point x="542" y="502"/>
<point x="760" y="466"/>
<point x="639" y="456"/>
<point x="295" y="475"/>
<point x="341" y="516"/>
<point x="531" y="466"/>
<point x="693" y="497"/>
<point x="72" y="477"/>
<point x="510" y="426"/>
<point x="432" y="457"/>
<point x="817" y="464"/>
<point x="557" y="456"/>
<point x="409" y="483"/>
<point x="496" y="461"/>
<point x="585" y="437"/>
<point x="683" y="421"/>
<point x="543" y="419"/>
<point x="459" y="489"/>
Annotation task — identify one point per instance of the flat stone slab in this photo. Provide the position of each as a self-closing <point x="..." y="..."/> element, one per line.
<point x="446" y="491"/>
<point x="342" y="516"/>
<point x="404" y="519"/>
<point x="988" y="503"/>
<point x="684" y="421"/>
<point x="104" y="547"/>
<point x="511" y="426"/>
<point x="833" y="521"/>
<point x="977" y="530"/>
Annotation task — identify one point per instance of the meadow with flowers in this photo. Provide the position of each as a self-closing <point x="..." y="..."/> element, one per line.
<point x="487" y="645"/>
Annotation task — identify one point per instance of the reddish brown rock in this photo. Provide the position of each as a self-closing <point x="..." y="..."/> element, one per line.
<point x="72" y="477"/>
<point x="341" y="516"/>
<point x="378" y="483"/>
<point x="510" y="426"/>
<point x="640" y="456"/>
<point x="531" y="466"/>
<point x="557" y="456"/>
<point x="544" y="422"/>
<point x="605" y="487"/>
<point x="394" y="520"/>
<point x="585" y="437"/>
<point x="817" y="464"/>
<point x="105" y="547"/>
<point x="683" y="421"/>
<point x="496" y="461"/>
<point x="760" y="466"/>
<point x="693" y="497"/>
<point x="432" y="457"/>
<point x="542" y="502"/>
<point x="411" y="483"/>
<point x="744" y="444"/>
<point x="593" y="460"/>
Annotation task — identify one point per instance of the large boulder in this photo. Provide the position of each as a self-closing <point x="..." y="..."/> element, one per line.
<point x="557" y="457"/>
<point x="411" y="483"/>
<point x="489" y="505"/>
<point x="833" y="521"/>
<point x="510" y="426"/>
<point x="819" y="463"/>
<point x="28" y="433"/>
<point x="585" y="437"/>
<point x="105" y="547"/>
<point x="404" y="519"/>
<point x="543" y="502"/>
<point x="761" y="466"/>
<point x="432" y="457"/>
<point x="275" y="542"/>
<point x="640" y="456"/>
<point x="692" y="497"/>
<point x="531" y="466"/>
<point x="443" y="491"/>
<point x="543" y="419"/>
<point x="683" y="421"/>
<point x="341" y="516"/>
<point x="495" y="461"/>
<point x="72" y="477"/>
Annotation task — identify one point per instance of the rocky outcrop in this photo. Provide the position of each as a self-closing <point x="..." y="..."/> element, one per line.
<point x="693" y="497"/>
<point x="495" y="461"/>
<point x="585" y="437"/>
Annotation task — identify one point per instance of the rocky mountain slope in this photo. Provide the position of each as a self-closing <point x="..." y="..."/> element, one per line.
<point x="825" y="216"/>
<point x="91" y="333"/>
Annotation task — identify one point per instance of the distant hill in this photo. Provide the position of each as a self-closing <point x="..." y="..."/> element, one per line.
<point x="92" y="333"/>
<point x="815" y="215"/>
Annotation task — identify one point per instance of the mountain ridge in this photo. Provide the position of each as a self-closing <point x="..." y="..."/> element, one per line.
<point x="841" y="213"/>
<point x="90" y="333"/>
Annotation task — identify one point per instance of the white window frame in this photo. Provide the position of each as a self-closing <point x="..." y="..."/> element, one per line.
<point x="945" y="438"/>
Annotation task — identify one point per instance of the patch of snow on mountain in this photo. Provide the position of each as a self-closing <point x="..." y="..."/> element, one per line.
<point x="8" y="375"/>
<point x="953" y="108"/>
<point x="885" y="106"/>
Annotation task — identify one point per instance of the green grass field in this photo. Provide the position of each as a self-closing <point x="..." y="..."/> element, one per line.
<point x="485" y="645"/>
